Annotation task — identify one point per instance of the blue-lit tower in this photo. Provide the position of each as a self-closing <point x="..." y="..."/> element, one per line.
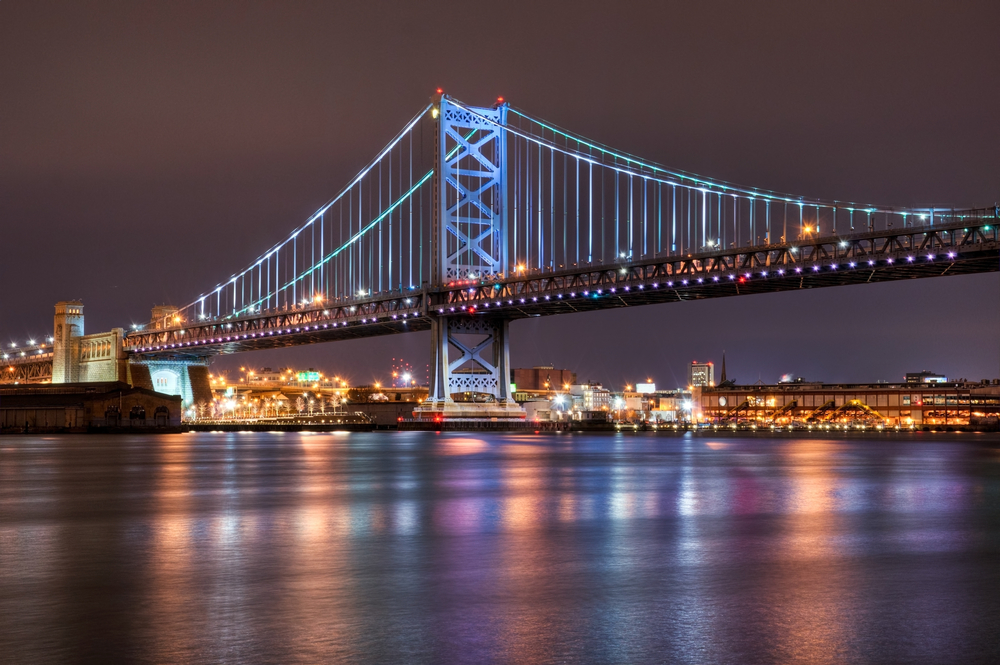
<point x="469" y="245"/>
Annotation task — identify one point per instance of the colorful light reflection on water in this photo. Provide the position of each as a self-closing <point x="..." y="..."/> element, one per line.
<point x="431" y="548"/>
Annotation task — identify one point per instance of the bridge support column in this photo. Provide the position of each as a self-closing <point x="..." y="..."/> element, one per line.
<point x="473" y="382"/>
<point x="187" y="378"/>
<point x="469" y="242"/>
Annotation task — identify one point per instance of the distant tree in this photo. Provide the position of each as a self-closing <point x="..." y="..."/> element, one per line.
<point x="300" y="404"/>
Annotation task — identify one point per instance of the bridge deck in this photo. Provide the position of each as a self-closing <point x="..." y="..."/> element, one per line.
<point x="891" y="255"/>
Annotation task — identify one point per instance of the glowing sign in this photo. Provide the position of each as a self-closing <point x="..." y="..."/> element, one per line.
<point x="645" y="387"/>
<point x="306" y="377"/>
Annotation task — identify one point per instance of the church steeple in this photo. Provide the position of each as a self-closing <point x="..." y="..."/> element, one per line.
<point x="722" y="378"/>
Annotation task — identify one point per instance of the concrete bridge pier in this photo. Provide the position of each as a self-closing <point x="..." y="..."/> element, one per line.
<point x="187" y="378"/>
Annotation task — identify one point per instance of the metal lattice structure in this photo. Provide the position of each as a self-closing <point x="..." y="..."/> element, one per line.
<point x="26" y="366"/>
<point x="471" y="193"/>
<point x="475" y="216"/>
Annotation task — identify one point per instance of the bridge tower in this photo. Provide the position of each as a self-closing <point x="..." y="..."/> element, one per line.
<point x="469" y="243"/>
<point x="66" y="328"/>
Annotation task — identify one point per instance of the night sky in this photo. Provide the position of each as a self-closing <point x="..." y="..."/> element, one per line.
<point x="149" y="150"/>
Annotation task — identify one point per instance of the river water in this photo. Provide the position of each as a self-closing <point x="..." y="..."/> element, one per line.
<point x="395" y="547"/>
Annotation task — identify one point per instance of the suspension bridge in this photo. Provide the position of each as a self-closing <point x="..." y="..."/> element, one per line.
<point x="472" y="217"/>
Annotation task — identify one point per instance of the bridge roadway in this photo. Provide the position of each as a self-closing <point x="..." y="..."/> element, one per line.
<point x="966" y="247"/>
<point x="27" y="365"/>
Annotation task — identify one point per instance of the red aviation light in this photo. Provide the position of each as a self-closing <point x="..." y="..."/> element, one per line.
<point x="499" y="100"/>
<point x="440" y="90"/>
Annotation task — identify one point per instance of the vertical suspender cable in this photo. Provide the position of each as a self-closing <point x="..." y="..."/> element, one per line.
<point x="704" y="218"/>
<point x="590" y="209"/>
<point x="577" y="192"/>
<point x="541" y="213"/>
<point x="767" y="215"/>
<point x="659" y="217"/>
<point x="617" y="212"/>
<point x="673" y="222"/>
<point x="565" y="220"/>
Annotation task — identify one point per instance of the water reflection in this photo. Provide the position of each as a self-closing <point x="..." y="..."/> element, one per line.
<point x="430" y="548"/>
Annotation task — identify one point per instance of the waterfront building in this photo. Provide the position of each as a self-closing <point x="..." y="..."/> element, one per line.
<point x="874" y="404"/>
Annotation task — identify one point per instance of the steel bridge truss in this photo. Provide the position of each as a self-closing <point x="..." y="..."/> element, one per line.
<point x="482" y="364"/>
<point x="960" y="248"/>
<point x="304" y="325"/>
<point x="865" y="258"/>
<point x="27" y="369"/>
<point x="471" y="191"/>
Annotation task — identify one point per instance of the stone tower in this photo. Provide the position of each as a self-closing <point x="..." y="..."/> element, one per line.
<point x="68" y="325"/>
